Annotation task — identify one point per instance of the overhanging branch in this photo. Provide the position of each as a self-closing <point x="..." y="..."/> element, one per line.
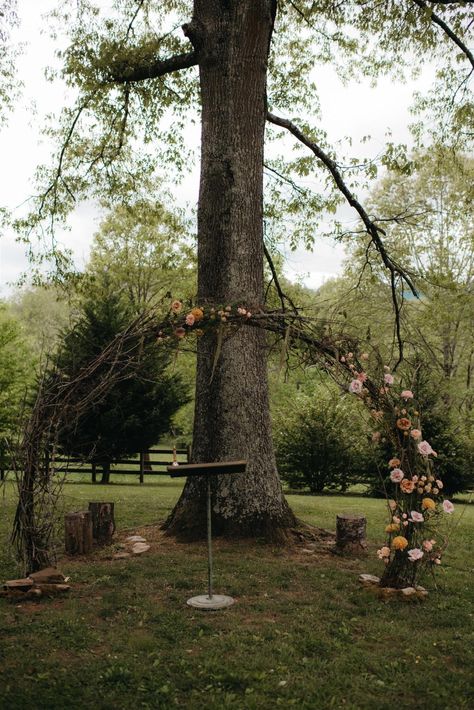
<point x="375" y="232"/>
<point x="437" y="20"/>
<point x="123" y="73"/>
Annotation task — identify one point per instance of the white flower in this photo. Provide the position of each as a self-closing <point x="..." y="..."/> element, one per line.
<point x="415" y="554"/>
<point x="355" y="387"/>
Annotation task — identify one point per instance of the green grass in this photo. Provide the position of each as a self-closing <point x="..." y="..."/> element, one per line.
<point x="303" y="633"/>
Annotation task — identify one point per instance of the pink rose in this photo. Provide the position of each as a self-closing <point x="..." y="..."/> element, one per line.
<point x="190" y="319"/>
<point x="415" y="554"/>
<point x="448" y="507"/>
<point x="425" y="449"/>
<point x="415" y="433"/>
<point x="388" y="378"/>
<point x="396" y="475"/>
<point x="376" y="437"/>
<point x="427" y="545"/>
<point x="362" y="377"/>
<point x="176" y="306"/>
<point x="416" y="517"/>
<point x="407" y="394"/>
<point x="355" y="387"/>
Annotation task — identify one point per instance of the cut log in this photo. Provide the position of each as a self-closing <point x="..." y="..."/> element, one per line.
<point x="53" y="589"/>
<point x="103" y="522"/>
<point x="78" y="533"/>
<point x="49" y="575"/>
<point x="21" y="585"/>
<point x="16" y="594"/>
<point x="351" y="534"/>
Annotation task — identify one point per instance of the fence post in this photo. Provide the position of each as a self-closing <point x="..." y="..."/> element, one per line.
<point x="189" y="453"/>
<point x="142" y="465"/>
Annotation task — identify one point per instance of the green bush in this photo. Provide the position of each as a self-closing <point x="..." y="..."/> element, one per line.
<point x="322" y="443"/>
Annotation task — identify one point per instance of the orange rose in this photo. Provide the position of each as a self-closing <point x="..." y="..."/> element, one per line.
<point x="403" y="423"/>
<point x="197" y="313"/>
<point x="407" y="486"/>
<point x="399" y="542"/>
<point x="394" y="463"/>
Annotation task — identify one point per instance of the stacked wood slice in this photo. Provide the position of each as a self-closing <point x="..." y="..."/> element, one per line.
<point x="46" y="582"/>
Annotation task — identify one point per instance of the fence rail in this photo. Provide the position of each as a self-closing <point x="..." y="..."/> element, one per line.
<point x="145" y="463"/>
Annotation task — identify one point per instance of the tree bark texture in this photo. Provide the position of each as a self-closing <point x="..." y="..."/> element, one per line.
<point x="78" y="533"/>
<point x="103" y="522"/>
<point x="351" y="536"/>
<point x="232" y="418"/>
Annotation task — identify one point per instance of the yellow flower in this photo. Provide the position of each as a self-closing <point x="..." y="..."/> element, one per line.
<point x="197" y="313"/>
<point x="428" y="504"/>
<point x="393" y="527"/>
<point x="399" y="542"/>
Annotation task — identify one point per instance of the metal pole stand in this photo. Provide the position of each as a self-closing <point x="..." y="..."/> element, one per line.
<point x="210" y="600"/>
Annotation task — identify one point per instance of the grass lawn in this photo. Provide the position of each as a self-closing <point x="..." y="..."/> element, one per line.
<point x="303" y="633"/>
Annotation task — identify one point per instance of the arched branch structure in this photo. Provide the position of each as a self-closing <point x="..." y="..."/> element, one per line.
<point x="63" y="401"/>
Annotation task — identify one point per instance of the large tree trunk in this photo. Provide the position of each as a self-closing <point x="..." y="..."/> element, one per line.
<point x="232" y="412"/>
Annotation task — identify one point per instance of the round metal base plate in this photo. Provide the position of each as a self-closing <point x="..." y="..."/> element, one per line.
<point x="217" y="601"/>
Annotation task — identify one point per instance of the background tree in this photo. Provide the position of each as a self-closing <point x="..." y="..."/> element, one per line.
<point x="138" y="409"/>
<point x="16" y="377"/>
<point x="8" y="52"/>
<point x="130" y="69"/>
<point x="147" y="253"/>
<point x="43" y="311"/>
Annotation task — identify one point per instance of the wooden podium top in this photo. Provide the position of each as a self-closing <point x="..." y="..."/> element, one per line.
<point x="207" y="469"/>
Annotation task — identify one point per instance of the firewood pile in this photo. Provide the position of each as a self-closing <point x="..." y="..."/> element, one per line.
<point x="47" y="582"/>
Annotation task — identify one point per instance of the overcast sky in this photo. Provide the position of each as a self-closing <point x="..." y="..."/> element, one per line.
<point x="356" y="109"/>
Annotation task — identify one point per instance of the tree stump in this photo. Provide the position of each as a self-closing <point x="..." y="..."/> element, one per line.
<point x="103" y="523"/>
<point x="351" y="534"/>
<point x="78" y="532"/>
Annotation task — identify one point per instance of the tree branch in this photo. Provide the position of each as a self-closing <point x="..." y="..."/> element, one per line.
<point x="374" y="231"/>
<point x="447" y="30"/>
<point x="282" y="296"/>
<point x="121" y="73"/>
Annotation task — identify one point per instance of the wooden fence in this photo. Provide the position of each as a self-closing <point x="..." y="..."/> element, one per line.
<point x="147" y="463"/>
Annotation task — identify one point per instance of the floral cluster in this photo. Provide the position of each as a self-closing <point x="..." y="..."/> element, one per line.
<point x="414" y="491"/>
<point x="183" y="323"/>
